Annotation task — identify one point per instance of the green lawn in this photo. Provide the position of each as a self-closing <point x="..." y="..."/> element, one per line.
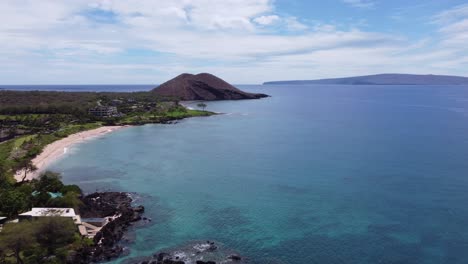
<point x="19" y="141"/>
<point x="72" y="129"/>
<point x="187" y="113"/>
<point x="151" y="117"/>
<point x="5" y="149"/>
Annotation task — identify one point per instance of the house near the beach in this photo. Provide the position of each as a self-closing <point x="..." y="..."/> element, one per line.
<point x="86" y="229"/>
<point x="104" y="111"/>
<point x="37" y="212"/>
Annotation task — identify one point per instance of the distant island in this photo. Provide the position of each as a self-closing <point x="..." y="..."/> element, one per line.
<point x="384" y="79"/>
<point x="203" y="86"/>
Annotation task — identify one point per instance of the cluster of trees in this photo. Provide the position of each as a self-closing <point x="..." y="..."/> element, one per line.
<point x="38" y="123"/>
<point x="74" y="103"/>
<point x="19" y="197"/>
<point x="19" y="102"/>
<point x="32" y="112"/>
<point x="45" y="240"/>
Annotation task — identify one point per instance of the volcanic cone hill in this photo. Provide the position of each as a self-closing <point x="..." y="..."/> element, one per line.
<point x="203" y="86"/>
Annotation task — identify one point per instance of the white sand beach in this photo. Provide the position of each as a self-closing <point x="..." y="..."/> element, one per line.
<point x="58" y="148"/>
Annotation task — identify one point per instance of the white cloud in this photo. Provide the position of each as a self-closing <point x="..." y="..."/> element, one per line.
<point x="244" y="41"/>
<point x="293" y="23"/>
<point x="451" y="14"/>
<point x="360" y="3"/>
<point x="453" y="25"/>
<point x="325" y="27"/>
<point x="266" y="20"/>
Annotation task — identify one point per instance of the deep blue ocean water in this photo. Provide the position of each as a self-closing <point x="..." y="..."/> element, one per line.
<point x="313" y="174"/>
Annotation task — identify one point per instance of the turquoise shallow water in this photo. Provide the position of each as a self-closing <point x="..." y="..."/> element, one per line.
<point x="314" y="174"/>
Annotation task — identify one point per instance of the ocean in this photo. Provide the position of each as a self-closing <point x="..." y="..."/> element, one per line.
<point x="313" y="174"/>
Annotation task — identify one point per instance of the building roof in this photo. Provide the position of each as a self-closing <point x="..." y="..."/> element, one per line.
<point x="39" y="211"/>
<point x="2" y="218"/>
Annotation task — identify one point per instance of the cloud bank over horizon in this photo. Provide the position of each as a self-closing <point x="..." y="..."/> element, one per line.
<point x="242" y="41"/>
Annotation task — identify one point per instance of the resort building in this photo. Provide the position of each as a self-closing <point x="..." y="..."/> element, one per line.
<point x="38" y="212"/>
<point x="48" y="212"/>
<point x="104" y="111"/>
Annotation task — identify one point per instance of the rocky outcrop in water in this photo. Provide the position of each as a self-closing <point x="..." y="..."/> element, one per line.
<point x="206" y="252"/>
<point x="106" y="242"/>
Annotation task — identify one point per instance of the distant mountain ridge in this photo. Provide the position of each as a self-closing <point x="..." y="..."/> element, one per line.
<point x="203" y="86"/>
<point x="384" y="79"/>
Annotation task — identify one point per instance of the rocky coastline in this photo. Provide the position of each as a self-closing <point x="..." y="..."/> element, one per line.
<point x="106" y="246"/>
<point x="108" y="242"/>
<point x="195" y="252"/>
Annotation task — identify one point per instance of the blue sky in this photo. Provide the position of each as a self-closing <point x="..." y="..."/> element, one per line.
<point x="242" y="41"/>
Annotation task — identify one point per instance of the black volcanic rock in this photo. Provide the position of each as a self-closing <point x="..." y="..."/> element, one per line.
<point x="385" y="79"/>
<point x="203" y="86"/>
<point x="199" y="252"/>
<point x="106" y="242"/>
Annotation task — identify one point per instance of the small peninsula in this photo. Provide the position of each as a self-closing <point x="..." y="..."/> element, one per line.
<point x="383" y="79"/>
<point x="203" y="86"/>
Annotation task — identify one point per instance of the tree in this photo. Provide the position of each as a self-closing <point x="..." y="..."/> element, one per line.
<point x="49" y="182"/>
<point x="26" y="165"/>
<point x="69" y="200"/>
<point x="16" y="238"/>
<point x="12" y="132"/>
<point x="202" y="106"/>
<point x="71" y="188"/>
<point x="53" y="233"/>
<point x="4" y="183"/>
<point x="12" y="202"/>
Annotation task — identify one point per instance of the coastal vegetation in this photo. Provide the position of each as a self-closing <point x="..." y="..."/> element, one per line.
<point x="19" y="197"/>
<point x="45" y="240"/>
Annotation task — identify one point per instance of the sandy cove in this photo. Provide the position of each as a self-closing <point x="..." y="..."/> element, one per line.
<point x="58" y="148"/>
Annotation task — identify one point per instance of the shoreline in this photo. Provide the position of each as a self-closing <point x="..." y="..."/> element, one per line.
<point x="58" y="148"/>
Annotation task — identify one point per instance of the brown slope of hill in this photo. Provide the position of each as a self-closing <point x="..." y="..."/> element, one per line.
<point x="203" y="86"/>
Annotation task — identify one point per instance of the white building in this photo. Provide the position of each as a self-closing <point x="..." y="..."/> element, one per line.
<point x="37" y="212"/>
<point x="48" y="212"/>
<point x="104" y="111"/>
<point x="85" y="229"/>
